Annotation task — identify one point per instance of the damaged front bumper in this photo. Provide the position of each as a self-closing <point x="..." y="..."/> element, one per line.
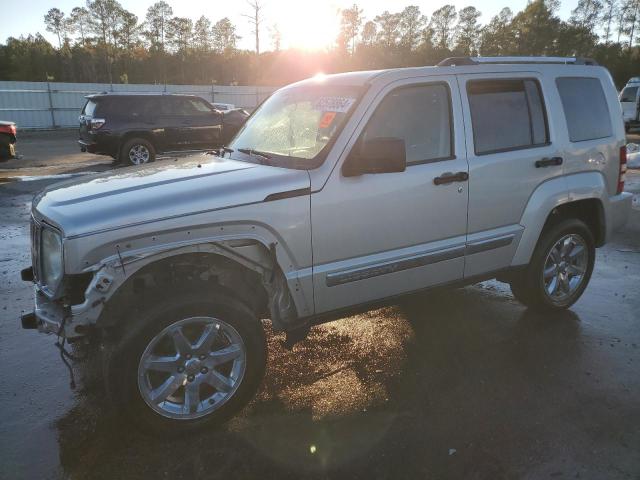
<point x="68" y="321"/>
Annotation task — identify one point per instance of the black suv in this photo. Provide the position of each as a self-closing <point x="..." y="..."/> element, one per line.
<point x="132" y="128"/>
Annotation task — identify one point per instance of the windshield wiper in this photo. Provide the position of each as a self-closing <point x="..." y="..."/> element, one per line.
<point x="256" y="153"/>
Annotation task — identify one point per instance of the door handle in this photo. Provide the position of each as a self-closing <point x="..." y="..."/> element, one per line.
<point x="451" y="177"/>
<point x="549" y="162"/>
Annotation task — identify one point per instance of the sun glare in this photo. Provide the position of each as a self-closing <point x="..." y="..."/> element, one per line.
<point x="309" y="26"/>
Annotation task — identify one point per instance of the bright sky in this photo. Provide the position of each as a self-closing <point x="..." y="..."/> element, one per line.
<point x="304" y="24"/>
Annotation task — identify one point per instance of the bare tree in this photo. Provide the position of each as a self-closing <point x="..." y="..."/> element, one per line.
<point x="255" y="19"/>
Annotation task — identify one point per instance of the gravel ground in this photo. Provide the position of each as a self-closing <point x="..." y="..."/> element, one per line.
<point x="461" y="383"/>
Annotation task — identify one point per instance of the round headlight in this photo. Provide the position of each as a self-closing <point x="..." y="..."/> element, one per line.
<point x="51" y="258"/>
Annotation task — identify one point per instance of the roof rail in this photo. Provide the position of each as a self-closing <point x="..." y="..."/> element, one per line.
<point x="460" y="61"/>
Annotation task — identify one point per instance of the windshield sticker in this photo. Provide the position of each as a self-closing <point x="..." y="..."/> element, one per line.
<point x="334" y="104"/>
<point x="326" y="119"/>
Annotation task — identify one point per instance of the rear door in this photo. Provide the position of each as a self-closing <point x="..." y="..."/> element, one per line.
<point x="510" y="154"/>
<point x="629" y="102"/>
<point x="171" y="122"/>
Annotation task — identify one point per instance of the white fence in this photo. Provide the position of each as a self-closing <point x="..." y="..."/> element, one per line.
<point x="43" y="105"/>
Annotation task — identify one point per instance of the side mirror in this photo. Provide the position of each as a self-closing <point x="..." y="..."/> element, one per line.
<point x="377" y="155"/>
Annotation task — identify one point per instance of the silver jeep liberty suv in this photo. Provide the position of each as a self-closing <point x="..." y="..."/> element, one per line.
<point x="339" y="191"/>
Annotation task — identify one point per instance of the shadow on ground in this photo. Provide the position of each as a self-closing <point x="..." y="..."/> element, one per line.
<point x="467" y="390"/>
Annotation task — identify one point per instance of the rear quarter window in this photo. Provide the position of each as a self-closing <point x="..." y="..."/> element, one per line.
<point x="89" y="108"/>
<point x="585" y="108"/>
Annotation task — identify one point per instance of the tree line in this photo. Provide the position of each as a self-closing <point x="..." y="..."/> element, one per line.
<point x="103" y="42"/>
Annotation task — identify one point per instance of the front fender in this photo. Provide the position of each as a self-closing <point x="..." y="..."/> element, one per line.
<point x="286" y="235"/>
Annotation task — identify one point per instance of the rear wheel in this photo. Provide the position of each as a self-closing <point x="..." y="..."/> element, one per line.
<point x="188" y="363"/>
<point x="560" y="268"/>
<point x="137" y="151"/>
<point x="6" y="147"/>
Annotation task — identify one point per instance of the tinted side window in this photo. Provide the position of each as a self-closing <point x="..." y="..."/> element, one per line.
<point x="507" y="115"/>
<point x="125" y="106"/>
<point x="585" y="108"/>
<point x="421" y="116"/>
<point x="171" y="105"/>
<point x="629" y="94"/>
<point x="199" y="106"/>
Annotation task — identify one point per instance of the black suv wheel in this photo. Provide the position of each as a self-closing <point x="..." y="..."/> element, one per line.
<point x="137" y="151"/>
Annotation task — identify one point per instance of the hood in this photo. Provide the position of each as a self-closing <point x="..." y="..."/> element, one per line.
<point x="160" y="190"/>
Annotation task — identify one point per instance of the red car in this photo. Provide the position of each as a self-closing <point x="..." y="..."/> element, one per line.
<point x="7" y="140"/>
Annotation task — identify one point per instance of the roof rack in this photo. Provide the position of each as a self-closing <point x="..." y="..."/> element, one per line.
<point x="460" y="61"/>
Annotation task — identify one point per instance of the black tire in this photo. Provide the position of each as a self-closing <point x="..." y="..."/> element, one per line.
<point x="143" y="144"/>
<point x="6" y="148"/>
<point x="528" y="286"/>
<point x="121" y="367"/>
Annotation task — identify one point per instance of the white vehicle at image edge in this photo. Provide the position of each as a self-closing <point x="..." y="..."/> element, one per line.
<point x="340" y="192"/>
<point x="630" y="103"/>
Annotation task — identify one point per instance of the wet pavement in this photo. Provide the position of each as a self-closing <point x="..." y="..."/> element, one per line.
<point x="459" y="383"/>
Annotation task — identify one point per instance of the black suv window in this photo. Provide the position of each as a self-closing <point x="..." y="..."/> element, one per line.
<point x="199" y="106"/>
<point x="421" y="116"/>
<point x="507" y="115"/>
<point x="185" y="106"/>
<point x="585" y="108"/>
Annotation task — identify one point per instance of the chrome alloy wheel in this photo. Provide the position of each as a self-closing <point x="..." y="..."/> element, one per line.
<point x="191" y="368"/>
<point x="139" y="154"/>
<point x="565" y="267"/>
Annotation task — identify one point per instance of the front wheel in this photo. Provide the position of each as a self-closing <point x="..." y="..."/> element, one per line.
<point x="187" y="363"/>
<point x="560" y="268"/>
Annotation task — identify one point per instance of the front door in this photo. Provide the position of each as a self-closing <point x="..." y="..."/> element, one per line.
<point x="380" y="235"/>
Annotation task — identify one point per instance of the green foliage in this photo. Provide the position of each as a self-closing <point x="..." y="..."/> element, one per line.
<point x="110" y="43"/>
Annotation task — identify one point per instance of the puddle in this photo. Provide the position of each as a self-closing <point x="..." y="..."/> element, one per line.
<point x="27" y="178"/>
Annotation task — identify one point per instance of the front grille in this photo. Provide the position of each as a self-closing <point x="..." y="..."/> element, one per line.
<point x="36" y="230"/>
